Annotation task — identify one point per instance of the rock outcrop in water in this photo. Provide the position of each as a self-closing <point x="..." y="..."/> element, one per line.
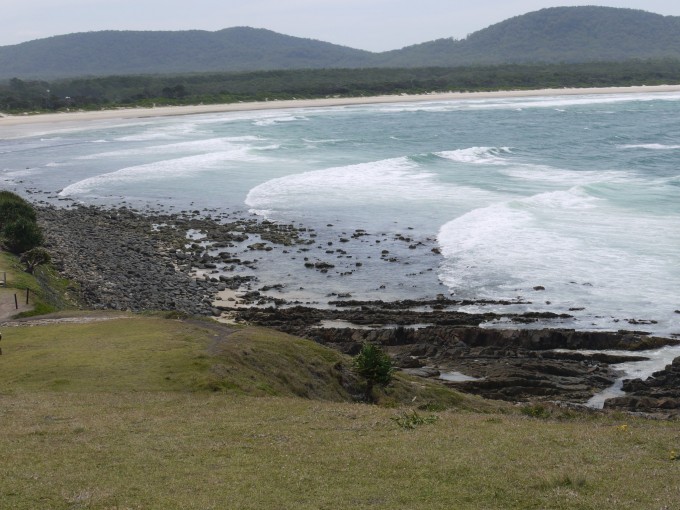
<point x="516" y="365"/>
<point x="657" y="394"/>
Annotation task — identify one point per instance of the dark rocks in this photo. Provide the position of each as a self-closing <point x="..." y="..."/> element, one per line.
<point x="118" y="264"/>
<point x="509" y="364"/>
<point x="658" y="393"/>
<point x="423" y="372"/>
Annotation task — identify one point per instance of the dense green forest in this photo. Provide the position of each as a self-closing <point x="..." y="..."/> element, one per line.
<point x="556" y="34"/>
<point x="553" y="35"/>
<point x="18" y="95"/>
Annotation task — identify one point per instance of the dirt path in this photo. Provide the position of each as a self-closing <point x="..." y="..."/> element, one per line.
<point x="66" y="316"/>
<point x="8" y="306"/>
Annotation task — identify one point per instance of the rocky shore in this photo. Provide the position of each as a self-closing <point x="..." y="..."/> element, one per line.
<point x="118" y="265"/>
<point x="123" y="260"/>
<point x="508" y="364"/>
<point x="659" y="393"/>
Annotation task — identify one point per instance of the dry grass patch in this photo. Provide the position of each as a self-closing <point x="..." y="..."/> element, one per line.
<point x="152" y="413"/>
<point x="124" y="354"/>
<point x="179" y="450"/>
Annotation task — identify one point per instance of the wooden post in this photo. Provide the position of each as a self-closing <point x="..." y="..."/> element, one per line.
<point x="27" y="292"/>
<point x="16" y="302"/>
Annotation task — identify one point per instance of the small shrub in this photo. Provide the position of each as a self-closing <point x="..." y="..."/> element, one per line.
<point x="563" y="481"/>
<point x="375" y="366"/>
<point x="176" y="315"/>
<point x="34" y="258"/>
<point x="432" y="407"/>
<point x="536" y="411"/>
<point x="413" y="419"/>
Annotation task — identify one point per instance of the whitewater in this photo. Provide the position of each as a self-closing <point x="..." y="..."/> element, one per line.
<point x="564" y="204"/>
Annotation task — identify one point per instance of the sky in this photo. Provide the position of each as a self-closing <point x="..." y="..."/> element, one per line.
<point x="374" y="25"/>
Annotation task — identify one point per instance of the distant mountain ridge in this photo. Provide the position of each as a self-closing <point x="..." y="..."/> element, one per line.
<point x="552" y="35"/>
<point x="557" y="34"/>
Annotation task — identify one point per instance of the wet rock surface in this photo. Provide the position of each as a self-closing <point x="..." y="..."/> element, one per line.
<point x="117" y="264"/>
<point x="124" y="260"/>
<point x="516" y="365"/>
<point x="659" y="393"/>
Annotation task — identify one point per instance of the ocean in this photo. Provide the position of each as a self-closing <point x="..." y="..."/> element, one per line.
<point x="564" y="204"/>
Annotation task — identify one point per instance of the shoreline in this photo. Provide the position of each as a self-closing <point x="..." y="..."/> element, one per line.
<point x="8" y="121"/>
<point x="131" y="261"/>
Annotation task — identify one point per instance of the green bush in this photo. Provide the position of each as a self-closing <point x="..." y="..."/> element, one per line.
<point x="375" y="366"/>
<point x="413" y="419"/>
<point x="536" y="411"/>
<point x="18" y="223"/>
<point x="22" y="235"/>
<point x="34" y="258"/>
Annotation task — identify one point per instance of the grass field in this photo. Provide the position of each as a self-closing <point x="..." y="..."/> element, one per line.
<point x="146" y="412"/>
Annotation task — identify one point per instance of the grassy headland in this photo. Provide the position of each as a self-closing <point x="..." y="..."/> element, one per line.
<point x="105" y="410"/>
<point x="148" y="412"/>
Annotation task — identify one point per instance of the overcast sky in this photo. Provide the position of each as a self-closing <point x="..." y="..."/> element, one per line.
<point x="375" y="25"/>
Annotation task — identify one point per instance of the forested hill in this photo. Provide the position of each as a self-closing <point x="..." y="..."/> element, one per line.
<point x="559" y="34"/>
<point x="153" y="52"/>
<point x="553" y="35"/>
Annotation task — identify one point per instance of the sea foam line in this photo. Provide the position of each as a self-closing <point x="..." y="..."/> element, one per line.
<point x="160" y="170"/>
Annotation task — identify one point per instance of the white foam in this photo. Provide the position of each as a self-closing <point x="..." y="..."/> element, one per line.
<point x="582" y="250"/>
<point x="195" y="146"/>
<point x="160" y="170"/>
<point x="324" y="141"/>
<point x="171" y="131"/>
<point x="477" y="155"/>
<point x="561" y="176"/>
<point x="279" y="119"/>
<point x="566" y="101"/>
<point x="651" y="146"/>
<point x="382" y="180"/>
<point x="558" y="103"/>
<point x="391" y="181"/>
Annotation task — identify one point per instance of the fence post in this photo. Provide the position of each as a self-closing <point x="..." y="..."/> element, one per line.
<point x="16" y="302"/>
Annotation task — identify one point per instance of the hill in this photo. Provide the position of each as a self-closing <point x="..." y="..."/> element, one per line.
<point x="553" y="35"/>
<point x="105" y="410"/>
<point x="147" y="52"/>
<point x="113" y="411"/>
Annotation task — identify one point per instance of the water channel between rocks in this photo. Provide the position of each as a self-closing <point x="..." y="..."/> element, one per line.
<point x="658" y="359"/>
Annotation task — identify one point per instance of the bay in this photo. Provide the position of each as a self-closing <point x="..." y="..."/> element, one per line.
<point x="564" y="204"/>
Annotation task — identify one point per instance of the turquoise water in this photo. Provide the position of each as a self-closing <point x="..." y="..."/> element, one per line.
<point x="578" y="195"/>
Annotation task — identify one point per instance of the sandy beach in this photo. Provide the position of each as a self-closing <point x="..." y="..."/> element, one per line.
<point x="17" y="125"/>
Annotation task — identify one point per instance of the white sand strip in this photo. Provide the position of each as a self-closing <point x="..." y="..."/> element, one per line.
<point x="51" y="119"/>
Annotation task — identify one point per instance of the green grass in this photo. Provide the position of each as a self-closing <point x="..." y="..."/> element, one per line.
<point x="48" y="291"/>
<point x="151" y="413"/>
<point x="125" y="354"/>
<point x="16" y="276"/>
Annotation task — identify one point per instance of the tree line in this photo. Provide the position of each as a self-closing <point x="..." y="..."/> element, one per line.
<point x="18" y="95"/>
<point x="20" y="232"/>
